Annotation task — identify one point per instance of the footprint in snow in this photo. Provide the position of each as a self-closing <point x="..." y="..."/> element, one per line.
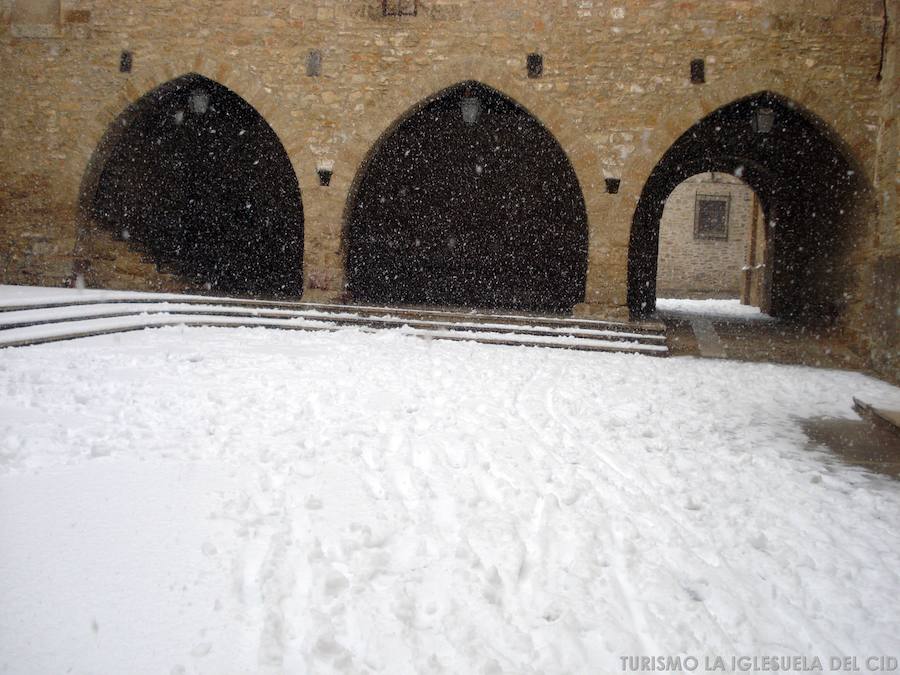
<point x="202" y="649"/>
<point x="692" y="505"/>
<point x="335" y="584"/>
<point x="759" y="542"/>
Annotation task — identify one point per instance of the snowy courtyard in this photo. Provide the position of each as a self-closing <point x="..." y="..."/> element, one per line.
<point x="205" y="500"/>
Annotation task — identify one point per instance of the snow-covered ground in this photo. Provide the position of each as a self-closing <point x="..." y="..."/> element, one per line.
<point x="199" y="500"/>
<point x="711" y="307"/>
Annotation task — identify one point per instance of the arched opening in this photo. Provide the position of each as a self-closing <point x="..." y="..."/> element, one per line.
<point x="468" y="201"/>
<point x="193" y="178"/>
<point x="713" y="246"/>
<point x="812" y="194"/>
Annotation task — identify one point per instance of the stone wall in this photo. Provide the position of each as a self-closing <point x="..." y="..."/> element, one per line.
<point x="615" y="91"/>
<point x="693" y="267"/>
<point x="878" y="328"/>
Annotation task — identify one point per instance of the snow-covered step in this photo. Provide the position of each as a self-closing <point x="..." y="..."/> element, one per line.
<point x="68" y="297"/>
<point x="883" y="417"/>
<point x="33" y="315"/>
<point x="61" y="314"/>
<point x="650" y="328"/>
<point x="86" y="327"/>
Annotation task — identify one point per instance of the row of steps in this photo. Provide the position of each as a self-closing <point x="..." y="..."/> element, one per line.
<point x="26" y="323"/>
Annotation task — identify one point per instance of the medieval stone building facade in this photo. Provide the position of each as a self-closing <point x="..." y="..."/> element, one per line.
<point x="511" y="152"/>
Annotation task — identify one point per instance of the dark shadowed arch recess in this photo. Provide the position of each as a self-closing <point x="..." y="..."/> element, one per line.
<point x="808" y="187"/>
<point x="478" y="213"/>
<point x="198" y="182"/>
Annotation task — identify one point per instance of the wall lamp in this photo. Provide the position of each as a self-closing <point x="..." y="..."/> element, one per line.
<point x="763" y="120"/>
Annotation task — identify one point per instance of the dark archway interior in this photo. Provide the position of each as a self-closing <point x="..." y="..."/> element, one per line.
<point x="482" y="213"/>
<point x="198" y="181"/>
<point x="809" y="191"/>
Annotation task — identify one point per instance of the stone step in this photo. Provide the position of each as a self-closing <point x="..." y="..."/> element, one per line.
<point x="38" y="317"/>
<point x="882" y="417"/>
<point x="647" y="327"/>
<point x="34" y="324"/>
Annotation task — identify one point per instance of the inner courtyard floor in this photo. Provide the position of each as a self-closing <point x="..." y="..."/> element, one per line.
<point x="211" y="499"/>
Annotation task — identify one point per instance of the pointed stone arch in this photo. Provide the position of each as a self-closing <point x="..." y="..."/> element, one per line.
<point x="533" y="259"/>
<point x="202" y="238"/>
<point x="806" y="155"/>
<point x="509" y="80"/>
<point x="664" y="125"/>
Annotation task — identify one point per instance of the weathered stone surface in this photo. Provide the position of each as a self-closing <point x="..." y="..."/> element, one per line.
<point x="692" y="266"/>
<point x="615" y="93"/>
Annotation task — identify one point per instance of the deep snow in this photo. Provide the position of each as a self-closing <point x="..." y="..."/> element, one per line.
<point x="243" y="500"/>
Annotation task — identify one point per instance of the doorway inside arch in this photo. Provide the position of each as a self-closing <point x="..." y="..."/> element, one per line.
<point x="194" y="179"/>
<point x="713" y="248"/>
<point x="468" y="201"/>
